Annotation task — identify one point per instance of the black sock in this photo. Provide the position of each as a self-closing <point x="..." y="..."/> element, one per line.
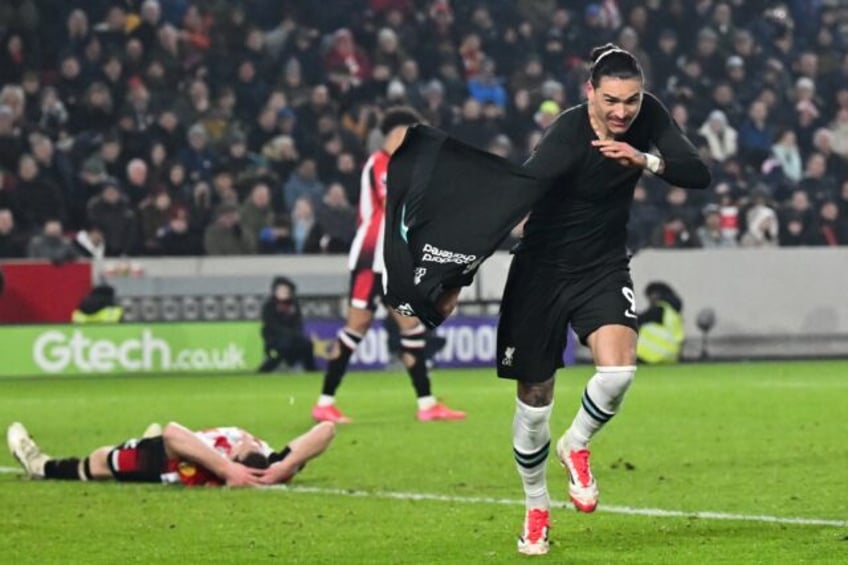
<point x="64" y="469"/>
<point x="347" y="342"/>
<point x="412" y="342"/>
<point x="270" y="364"/>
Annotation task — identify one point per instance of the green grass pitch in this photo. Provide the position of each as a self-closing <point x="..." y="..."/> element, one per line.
<point x="746" y="440"/>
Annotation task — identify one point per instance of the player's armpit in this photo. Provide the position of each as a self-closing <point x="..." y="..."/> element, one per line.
<point x="558" y="152"/>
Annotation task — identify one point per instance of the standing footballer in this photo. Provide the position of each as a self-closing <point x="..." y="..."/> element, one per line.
<point x="366" y="289"/>
<point x="572" y="267"/>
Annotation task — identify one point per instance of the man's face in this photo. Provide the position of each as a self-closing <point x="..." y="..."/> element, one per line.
<point x="307" y="169"/>
<point x="229" y="219"/>
<point x="244" y="447"/>
<point x="829" y="211"/>
<point x="261" y="196"/>
<point x="27" y="169"/>
<point x="713" y="220"/>
<point x="816" y="166"/>
<point x="7" y="222"/>
<point x="616" y="102"/>
<point x="162" y="201"/>
<point x="111" y="194"/>
<point x="282" y="292"/>
<point x="43" y="149"/>
<point x="96" y="236"/>
<point x="53" y="229"/>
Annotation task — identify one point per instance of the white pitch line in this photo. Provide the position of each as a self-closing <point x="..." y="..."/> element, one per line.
<point x="627" y="510"/>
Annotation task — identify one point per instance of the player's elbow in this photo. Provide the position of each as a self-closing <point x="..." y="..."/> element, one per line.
<point x="689" y="174"/>
<point x="702" y="178"/>
<point x="326" y="431"/>
<point x="322" y="436"/>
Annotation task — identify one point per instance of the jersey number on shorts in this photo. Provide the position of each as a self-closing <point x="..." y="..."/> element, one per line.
<point x="631" y="297"/>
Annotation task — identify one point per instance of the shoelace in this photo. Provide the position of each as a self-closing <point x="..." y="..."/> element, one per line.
<point x="537" y="521"/>
<point x="580" y="460"/>
<point x="29" y="449"/>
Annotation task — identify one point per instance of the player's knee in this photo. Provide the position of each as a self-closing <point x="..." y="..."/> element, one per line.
<point x="96" y="465"/>
<point x="535" y="417"/>
<point x="413" y="340"/>
<point x="536" y="395"/>
<point x="615" y="380"/>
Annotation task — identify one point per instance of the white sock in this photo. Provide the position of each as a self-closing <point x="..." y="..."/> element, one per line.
<point x="603" y="395"/>
<point x="326" y="400"/>
<point x="531" y="440"/>
<point x="426" y="402"/>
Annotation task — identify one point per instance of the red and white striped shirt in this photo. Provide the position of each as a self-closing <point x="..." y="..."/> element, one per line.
<point x="366" y="251"/>
<point x="222" y="440"/>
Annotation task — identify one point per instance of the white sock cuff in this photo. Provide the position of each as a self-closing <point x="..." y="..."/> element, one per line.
<point x="532" y="417"/>
<point x="414" y="331"/>
<point x="615" y="368"/>
<point x="533" y="409"/>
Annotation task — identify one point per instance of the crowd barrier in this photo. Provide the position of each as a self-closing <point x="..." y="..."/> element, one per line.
<point x="213" y="347"/>
<point x="786" y="302"/>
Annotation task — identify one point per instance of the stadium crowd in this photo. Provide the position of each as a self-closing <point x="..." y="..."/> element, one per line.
<point x="178" y="127"/>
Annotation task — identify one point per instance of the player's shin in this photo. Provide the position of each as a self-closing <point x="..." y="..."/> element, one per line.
<point x="346" y="344"/>
<point x="601" y="400"/>
<point x="69" y="469"/>
<point x="531" y="441"/>
<point x="412" y="344"/>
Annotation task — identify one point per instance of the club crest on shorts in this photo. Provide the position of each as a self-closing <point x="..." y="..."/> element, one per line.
<point x="507" y="358"/>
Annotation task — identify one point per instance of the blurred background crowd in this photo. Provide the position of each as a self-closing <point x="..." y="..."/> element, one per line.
<point x="178" y="127"/>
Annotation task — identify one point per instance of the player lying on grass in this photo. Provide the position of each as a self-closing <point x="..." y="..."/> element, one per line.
<point x="176" y="455"/>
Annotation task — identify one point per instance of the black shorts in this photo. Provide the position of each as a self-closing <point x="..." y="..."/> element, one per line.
<point x="366" y="289"/>
<point x="139" y="460"/>
<point x="538" y="305"/>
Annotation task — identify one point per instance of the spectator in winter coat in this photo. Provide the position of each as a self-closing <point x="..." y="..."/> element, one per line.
<point x="112" y="212"/>
<point x="90" y="243"/>
<point x="304" y="182"/>
<point x="11" y="240"/>
<point x="226" y="236"/>
<point x="282" y="329"/>
<point x="762" y="228"/>
<point x="720" y="136"/>
<point x="711" y="235"/>
<point x="51" y="245"/>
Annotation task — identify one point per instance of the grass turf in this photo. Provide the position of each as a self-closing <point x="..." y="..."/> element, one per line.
<point x="752" y="439"/>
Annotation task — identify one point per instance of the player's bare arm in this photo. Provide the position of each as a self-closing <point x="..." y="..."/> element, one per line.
<point x="182" y="443"/>
<point x="303" y="448"/>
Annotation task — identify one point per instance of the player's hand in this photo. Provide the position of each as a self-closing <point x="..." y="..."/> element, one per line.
<point x="624" y="153"/>
<point x="240" y="476"/>
<point x="447" y="301"/>
<point x="275" y="474"/>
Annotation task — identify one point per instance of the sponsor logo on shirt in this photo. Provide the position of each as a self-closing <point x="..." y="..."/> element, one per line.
<point x="433" y="254"/>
